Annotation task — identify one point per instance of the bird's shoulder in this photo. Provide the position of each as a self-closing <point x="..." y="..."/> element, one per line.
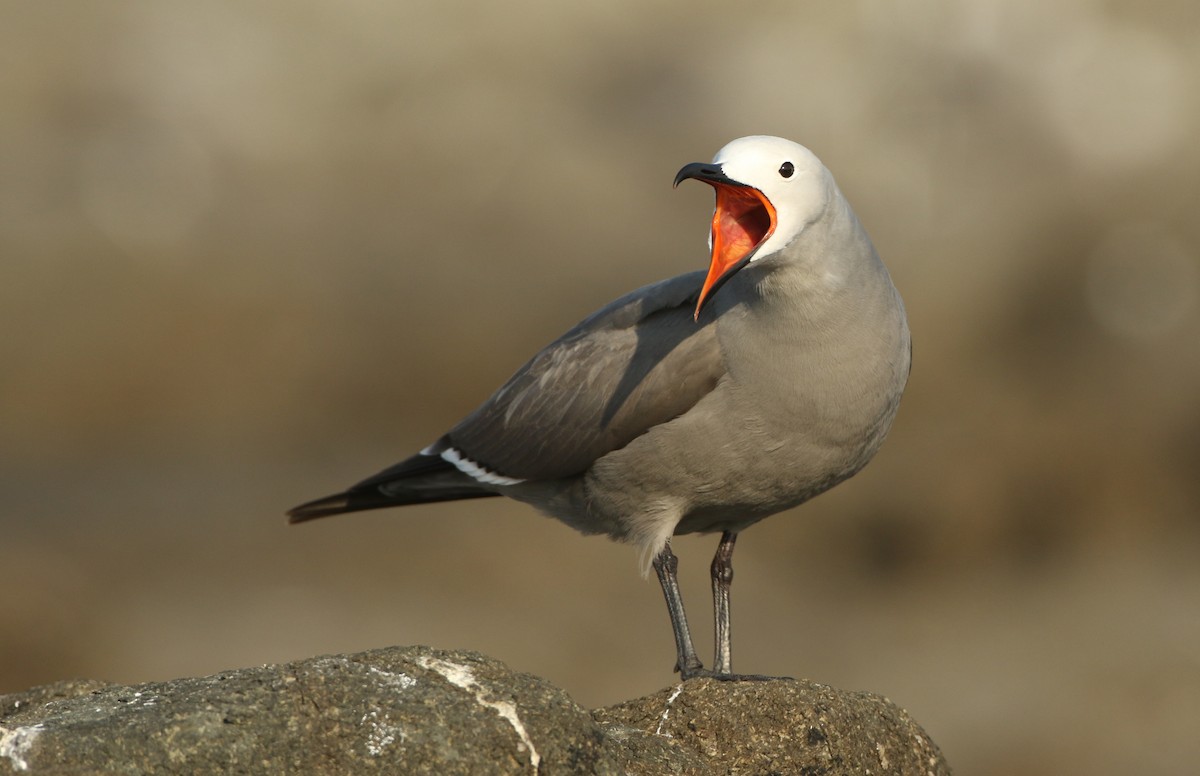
<point x="625" y="312"/>
<point x="637" y="362"/>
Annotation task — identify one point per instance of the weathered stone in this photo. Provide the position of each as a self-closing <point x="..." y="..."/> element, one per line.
<point x="417" y="710"/>
<point x="781" y="726"/>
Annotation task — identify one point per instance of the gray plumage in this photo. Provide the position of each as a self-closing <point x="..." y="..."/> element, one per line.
<point x="643" y="421"/>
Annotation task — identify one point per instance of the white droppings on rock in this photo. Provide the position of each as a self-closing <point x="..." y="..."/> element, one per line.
<point x="16" y="742"/>
<point x="881" y="750"/>
<point x="381" y="733"/>
<point x="667" y="712"/>
<point x="394" y="679"/>
<point x="462" y="676"/>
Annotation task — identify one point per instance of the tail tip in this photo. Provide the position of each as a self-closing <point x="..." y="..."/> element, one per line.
<point x="322" y="507"/>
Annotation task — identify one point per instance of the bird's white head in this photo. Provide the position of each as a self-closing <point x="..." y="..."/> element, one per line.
<point x="768" y="191"/>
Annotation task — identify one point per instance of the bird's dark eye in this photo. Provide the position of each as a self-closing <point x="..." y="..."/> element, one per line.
<point x="786" y="169"/>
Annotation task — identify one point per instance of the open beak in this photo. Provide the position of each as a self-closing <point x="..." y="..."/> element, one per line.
<point x="742" y="220"/>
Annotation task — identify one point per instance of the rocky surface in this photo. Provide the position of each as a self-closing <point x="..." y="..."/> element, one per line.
<point x="415" y="710"/>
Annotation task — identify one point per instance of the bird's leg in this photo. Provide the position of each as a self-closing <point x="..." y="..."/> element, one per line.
<point x="666" y="565"/>
<point x="722" y="577"/>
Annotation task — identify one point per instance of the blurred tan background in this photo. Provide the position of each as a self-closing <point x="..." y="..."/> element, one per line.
<point x="252" y="253"/>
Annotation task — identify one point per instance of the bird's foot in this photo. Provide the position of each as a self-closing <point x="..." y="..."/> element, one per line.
<point x="691" y="669"/>
<point x="700" y="672"/>
<point x="748" y="678"/>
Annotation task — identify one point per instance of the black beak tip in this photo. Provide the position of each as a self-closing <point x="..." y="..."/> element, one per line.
<point x="705" y="171"/>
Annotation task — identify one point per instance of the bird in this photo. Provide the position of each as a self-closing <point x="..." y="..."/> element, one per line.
<point x="703" y="403"/>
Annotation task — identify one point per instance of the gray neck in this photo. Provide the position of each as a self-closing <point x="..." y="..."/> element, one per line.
<point x="828" y="279"/>
<point x="821" y="311"/>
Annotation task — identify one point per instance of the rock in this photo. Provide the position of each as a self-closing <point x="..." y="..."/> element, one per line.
<point x="415" y="710"/>
<point x="782" y="726"/>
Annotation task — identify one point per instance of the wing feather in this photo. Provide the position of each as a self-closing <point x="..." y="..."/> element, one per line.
<point x="638" y="362"/>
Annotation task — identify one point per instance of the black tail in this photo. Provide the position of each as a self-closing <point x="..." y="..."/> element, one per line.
<point x="422" y="479"/>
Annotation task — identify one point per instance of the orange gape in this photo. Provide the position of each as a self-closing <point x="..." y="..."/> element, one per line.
<point x="743" y="218"/>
